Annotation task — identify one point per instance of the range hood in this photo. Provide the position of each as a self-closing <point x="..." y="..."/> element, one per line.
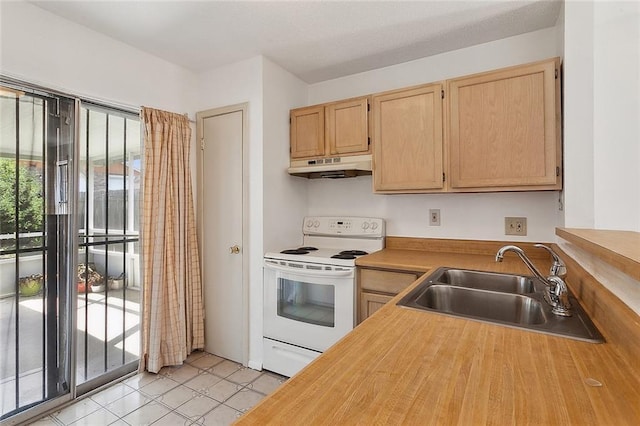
<point x="332" y="168"/>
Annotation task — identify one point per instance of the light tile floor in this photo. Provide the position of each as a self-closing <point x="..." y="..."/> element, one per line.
<point x="205" y="390"/>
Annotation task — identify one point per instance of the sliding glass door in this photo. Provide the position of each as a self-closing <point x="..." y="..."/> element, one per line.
<point x="37" y="246"/>
<point x="109" y="278"/>
<point x="70" y="274"/>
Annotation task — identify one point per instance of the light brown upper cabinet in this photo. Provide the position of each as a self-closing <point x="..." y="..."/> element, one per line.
<point x="307" y="132"/>
<point x="337" y="128"/>
<point x="407" y="140"/>
<point x="347" y="127"/>
<point x="494" y="131"/>
<point x="504" y="129"/>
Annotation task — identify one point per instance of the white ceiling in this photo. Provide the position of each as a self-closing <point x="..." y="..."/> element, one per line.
<point x="315" y="40"/>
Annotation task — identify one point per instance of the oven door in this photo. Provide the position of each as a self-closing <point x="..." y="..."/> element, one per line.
<point x="308" y="305"/>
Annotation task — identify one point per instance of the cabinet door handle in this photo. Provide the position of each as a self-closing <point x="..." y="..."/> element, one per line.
<point x="234" y="249"/>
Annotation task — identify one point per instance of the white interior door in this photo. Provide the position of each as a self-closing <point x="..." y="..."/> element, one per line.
<point x="221" y="222"/>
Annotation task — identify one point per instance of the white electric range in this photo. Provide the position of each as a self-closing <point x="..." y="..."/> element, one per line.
<point x="310" y="290"/>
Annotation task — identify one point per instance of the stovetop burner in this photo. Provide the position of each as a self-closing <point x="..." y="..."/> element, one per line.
<point x="354" y="252"/>
<point x="343" y="256"/>
<point x="299" y="250"/>
<point x="349" y="254"/>
<point x="295" y="251"/>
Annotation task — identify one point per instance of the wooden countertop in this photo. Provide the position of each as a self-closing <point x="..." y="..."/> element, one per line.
<point x="421" y="261"/>
<point x="403" y="366"/>
<point x="618" y="248"/>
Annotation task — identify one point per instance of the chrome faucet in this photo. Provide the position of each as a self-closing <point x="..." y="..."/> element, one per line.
<point x="556" y="294"/>
<point x="558" y="268"/>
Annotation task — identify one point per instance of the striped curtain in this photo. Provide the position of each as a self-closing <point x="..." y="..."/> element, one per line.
<point x="173" y="313"/>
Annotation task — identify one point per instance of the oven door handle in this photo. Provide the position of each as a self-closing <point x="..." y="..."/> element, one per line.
<point x="312" y="272"/>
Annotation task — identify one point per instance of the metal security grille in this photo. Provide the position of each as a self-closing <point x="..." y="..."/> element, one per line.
<point x="70" y="276"/>
<point x="108" y="259"/>
<point x="36" y="139"/>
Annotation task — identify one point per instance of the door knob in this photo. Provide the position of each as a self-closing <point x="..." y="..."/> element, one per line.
<point x="234" y="249"/>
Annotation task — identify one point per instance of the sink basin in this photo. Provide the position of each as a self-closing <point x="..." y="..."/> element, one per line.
<point x="503" y="299"/>
<point x="490" y="305"/>
<point x="485" y="280"/>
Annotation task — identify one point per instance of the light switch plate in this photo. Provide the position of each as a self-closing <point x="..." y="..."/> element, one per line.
<point x="515" y="226"/>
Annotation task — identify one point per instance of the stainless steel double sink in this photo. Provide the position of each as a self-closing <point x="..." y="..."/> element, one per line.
<point x="504" y="299"/>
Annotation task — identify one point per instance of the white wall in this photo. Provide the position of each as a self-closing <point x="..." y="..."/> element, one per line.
<point x="602" y="106"/>
<point x="463" y="216"/>
<point x="467" y="216"/>
<point x="234" y="84"/>
<point x="602" y="129"/>
<point x="277" y="201"/>
<point x="42" y="48"/>
<point x="578" y="115"/>
<point x="616" y="112"/>
<point x="496" y="54"/>
<point x="560" y="32"/>
<point x="560" y="49"/>
<point x="285" y="196"/>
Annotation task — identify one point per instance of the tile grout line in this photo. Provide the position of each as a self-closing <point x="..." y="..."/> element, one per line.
<point x="240" y="386"/>
<point x="158" y="398"/>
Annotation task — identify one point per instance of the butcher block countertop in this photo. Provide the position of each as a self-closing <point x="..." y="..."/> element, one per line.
<point x="404" y="366"/>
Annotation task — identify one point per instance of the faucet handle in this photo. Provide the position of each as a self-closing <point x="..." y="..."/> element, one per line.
<point x="559" y="269"/>
<point x="559" y="297"/>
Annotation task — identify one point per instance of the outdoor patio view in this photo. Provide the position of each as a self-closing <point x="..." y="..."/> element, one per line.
<point x="102" y="290"/>
<point x="108" y="260"/>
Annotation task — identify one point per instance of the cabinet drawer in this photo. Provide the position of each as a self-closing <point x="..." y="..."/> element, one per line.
<point x="385" y="281"/>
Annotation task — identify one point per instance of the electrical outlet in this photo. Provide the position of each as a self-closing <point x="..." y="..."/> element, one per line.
<point x="515" y="226"/>
<point x="434" y="217"/>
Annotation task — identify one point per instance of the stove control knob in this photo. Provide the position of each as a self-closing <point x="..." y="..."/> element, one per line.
<point x="316" y="223"/>
<point x="374" y="225"/>
<point x="309" y="223"/>
<point x="365" y="225"/>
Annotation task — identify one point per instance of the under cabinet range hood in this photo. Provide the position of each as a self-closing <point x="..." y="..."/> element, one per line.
<point x="332" y="168"/>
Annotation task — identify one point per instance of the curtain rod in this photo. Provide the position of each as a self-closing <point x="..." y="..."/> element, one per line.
<point x="111" y="104"/>
<point x="185" y="115"/>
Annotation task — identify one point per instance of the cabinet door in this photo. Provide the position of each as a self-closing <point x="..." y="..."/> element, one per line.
<point x="370" y="303"/>
<point x="307" y="132"/>
<point x="407" y="140"/>
<point x="347" y="127"/>
<point x="505" y="129"/>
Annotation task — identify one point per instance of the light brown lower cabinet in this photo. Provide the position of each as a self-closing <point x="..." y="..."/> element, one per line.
<point x="370" y="303"/>
<point x="378" y="286"/>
